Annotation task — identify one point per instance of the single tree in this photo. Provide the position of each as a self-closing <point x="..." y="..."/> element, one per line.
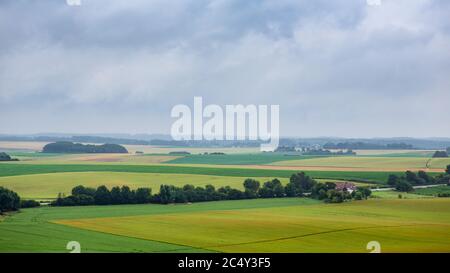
<point x="404" y="186"/>
<point x="251" y="188"/>
<point x="9" y="200"/>
<point x="143" y="195"/>
<point x="411" y="177"/>
<point x="116" y="196"/>
<point x="102" y="196"/>
<point x="78" y="190"/>
<point x="392" y="180"/>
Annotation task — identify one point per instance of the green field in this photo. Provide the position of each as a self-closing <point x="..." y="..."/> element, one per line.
<point x="434" y="191"/>
<point x="369" y="162"/>
<point x="400" y="161"/>
<point x="395" y="195"/>
<point x="47" y="186"/>
<point x="12" y="169"/>
<point x="264" y="225"/>
<point x="21" y="155"/>
<point x="427" y="154"/>
<point x="31" y="230"/>
<point x="418" y="222"/>
<point x="237" y="159"/>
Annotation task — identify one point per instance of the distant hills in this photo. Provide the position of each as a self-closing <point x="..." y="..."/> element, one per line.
<point x="165" y="140"/>
<point x="368" y="146"/>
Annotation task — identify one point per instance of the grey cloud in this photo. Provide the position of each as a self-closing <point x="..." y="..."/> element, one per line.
<point x="335" y="67"/>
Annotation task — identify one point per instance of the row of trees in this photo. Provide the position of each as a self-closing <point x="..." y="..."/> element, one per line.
<point x="70" y="147"/>
<point x="299" y="185"/>
<point x="10" y="201"/>
<point x="328" y="152"/>
<point x="406" y="182"/>
<point x="440" y="154"/>
<point x="328" y="193"/>
<point x="6" y="157"/>
<point x="84" y="196"/>
<point x="367" y="146"/>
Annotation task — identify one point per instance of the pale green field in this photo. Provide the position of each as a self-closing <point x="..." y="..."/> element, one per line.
<point x="395" y="195"/>
<point x="369" y="162"/>
<point x="439" y="163"/>
<point x="41" y="186"/>
<point x="131" y="159"/>
<point x="165" y="150"/>
<point x="426" y="153"/>
<point x="415" y="225"/>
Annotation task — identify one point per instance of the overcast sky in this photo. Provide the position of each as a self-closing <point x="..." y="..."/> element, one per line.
<point x="336" y="68"/>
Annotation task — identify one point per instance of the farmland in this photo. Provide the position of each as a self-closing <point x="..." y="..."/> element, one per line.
<point x="32" y="230"/>
<point x="314" y="228"/>
<point x="12" y="169"/>
<point x="260" y="225"/>
<point x="237" y="159"/>
<point x="265" y="225"/>
<point x="225" y="127"/>
<point x="380" y="162"/>
<point x="49" y="185"/>
<point x="434" y="191"/>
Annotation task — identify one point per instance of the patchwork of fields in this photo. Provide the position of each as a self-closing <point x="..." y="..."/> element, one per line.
<point x="49" y="185"/>
<point x="27" y="174"/>
<point x="377" y="160"/>
<point x="314" y="228"/>
<point x="378" y="163"/>
<point x="419" y="222"/>
<point x="265" y="225"/>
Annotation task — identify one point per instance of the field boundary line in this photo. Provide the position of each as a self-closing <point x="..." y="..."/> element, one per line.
<point x="135" y="237"/>
<point x="8" y="170"/>
<point x="317" y="233"/>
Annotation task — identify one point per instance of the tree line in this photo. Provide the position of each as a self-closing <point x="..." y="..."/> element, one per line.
<point x="10" y="201"/>
<point x="85" y="196"/>
<point x="406" y="182"/>
<point x="70" y="147"/>
<point x="299" y="185"/>
<point x="327" y="152"/>
<point x="367" y="146"/>
<point x="440" y="154"/>
<point x="7" y="157"/>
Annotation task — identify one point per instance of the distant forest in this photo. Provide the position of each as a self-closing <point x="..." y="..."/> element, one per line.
<point x="70" y="147"/>
<point x="368" y="146"/>
<point x="314" y="143"/>
<point x="6" y="157"/>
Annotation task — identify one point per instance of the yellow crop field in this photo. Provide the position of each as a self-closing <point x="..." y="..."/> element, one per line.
<point x="48" y="185"/>
<point x="25" y="145"/>
<point x="417" y="225"/>
<point x="380" y="163"/>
